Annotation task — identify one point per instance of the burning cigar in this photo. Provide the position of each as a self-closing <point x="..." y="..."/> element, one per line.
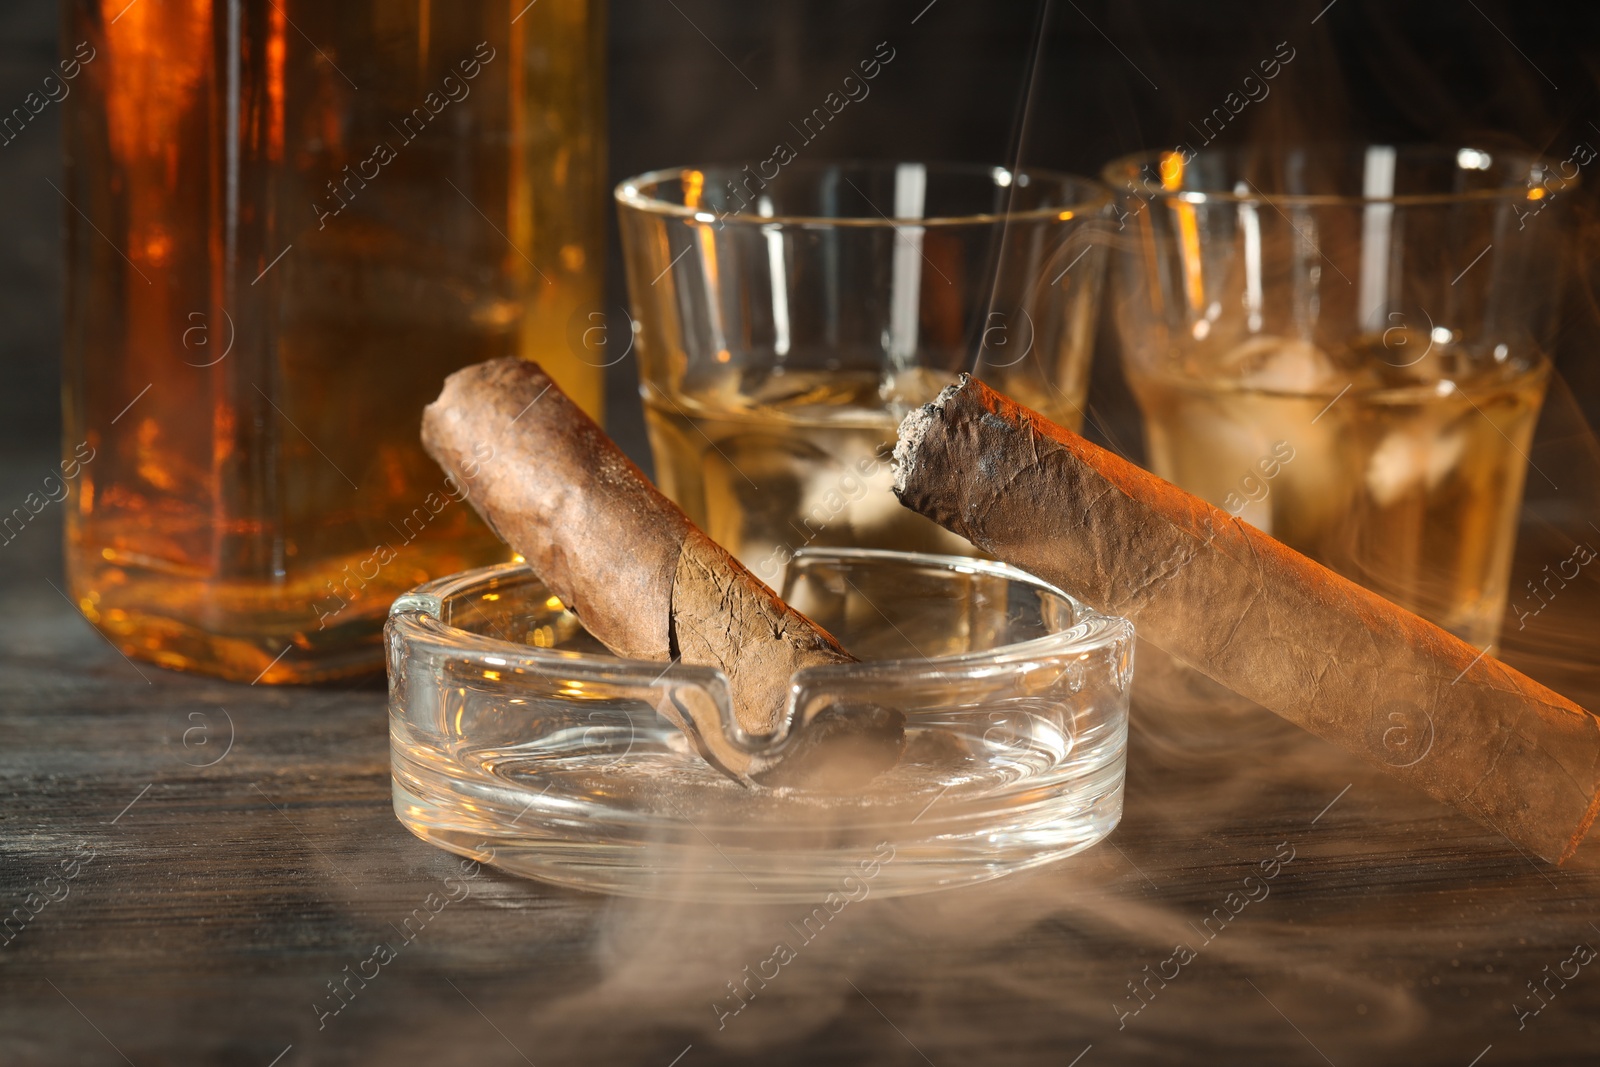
<point x="642" y="578"/>
<point x="1256" y="616"/>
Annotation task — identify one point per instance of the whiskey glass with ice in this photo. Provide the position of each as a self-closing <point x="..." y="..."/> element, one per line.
<point x="1347" y="348"/>
<point x="786" y="318"/>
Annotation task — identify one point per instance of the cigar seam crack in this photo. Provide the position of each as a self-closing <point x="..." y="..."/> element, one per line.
<point x="1589" y="815"/>
<point x="1258" y="595"/>
<point x="674" y="646"/>
<point x="1508" y="733"/>
<point x="1595" y="724"/>
<point x="1182" y="555"/>
<point x="1227" y="642"/>
<point x="1255" y="555"/>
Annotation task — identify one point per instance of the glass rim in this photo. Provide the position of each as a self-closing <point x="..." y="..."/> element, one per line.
<point x="418" y="615"/>
<point x="1115" y="173"/>
<point x="628" y="194"/>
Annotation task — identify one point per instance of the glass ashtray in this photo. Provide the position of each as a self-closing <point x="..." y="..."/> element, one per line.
<point x="519" y="740"/>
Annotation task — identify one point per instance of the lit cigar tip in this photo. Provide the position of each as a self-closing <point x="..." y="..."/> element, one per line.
<point x="915" y="426"/>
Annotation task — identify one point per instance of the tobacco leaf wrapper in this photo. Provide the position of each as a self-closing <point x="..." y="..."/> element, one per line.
<point x="643" y="579"/>
<point x="1256" y="616"/>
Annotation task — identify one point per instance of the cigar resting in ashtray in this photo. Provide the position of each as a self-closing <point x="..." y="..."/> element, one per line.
<point x="643" y="579"/>
<point x="1256" y="616"/>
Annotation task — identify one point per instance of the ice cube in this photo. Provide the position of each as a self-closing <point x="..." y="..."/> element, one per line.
<point x="1412" y="459"/>
<point x="1283" y="365"/>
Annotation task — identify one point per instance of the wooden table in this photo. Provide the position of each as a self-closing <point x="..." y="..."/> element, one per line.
<point x="211" y="859"/>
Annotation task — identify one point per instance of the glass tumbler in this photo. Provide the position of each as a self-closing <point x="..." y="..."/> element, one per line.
<point x="1346" y="347"/>
<point x="788" y="317"/>
<point x="286" y="223"/>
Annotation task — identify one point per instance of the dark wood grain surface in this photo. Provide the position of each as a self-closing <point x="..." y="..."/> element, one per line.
<point x="235" y="851"/>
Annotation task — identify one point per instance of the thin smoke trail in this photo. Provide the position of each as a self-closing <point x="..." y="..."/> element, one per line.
<point x="1019" y="136"/>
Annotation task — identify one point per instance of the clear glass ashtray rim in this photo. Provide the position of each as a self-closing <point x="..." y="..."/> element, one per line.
<point x="1091" y="630"/>
<point x="586" y="817"/>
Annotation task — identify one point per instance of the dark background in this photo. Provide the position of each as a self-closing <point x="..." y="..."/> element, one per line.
<point x="708" y="80"/>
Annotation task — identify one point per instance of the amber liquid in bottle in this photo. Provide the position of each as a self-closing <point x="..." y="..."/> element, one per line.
<point x="287" y="222"/>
